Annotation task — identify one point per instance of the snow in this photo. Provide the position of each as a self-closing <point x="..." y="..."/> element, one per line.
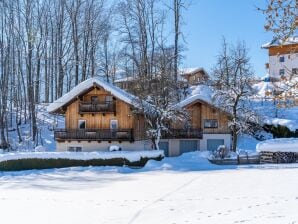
<point x="273" y="115"/>
<point x="125" y="79"/>
<point x="45" y="121"/>
<point x="246" y="142"/>
<point x="40" y="148"/>
<point x="186" y="71"/>
<point x="164" y="192"/>
<point x="277" y="42"/>
<point x="278" y="145"/>
<point x="114" y="148"/>
<point x="292" y="125"/>
<point x="84" y="86"/>
<point x="132" y="156"/>
<point x="198" y="93"/>
<point x="264" y="87"/>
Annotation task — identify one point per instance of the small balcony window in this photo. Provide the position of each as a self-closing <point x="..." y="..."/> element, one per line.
<point x="82" y="124"/>
<point x="210" y="123"/>
<point x="282" y="59"/>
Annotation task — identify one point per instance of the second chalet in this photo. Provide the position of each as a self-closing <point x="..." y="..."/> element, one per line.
<point x="99" y="115"/>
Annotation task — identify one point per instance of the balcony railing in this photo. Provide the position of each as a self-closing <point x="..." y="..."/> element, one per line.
<point x="97" y="107"/>
<point x="183" y="133"/>
<point x="94" y="134"/>
<point x="216" y="131"/>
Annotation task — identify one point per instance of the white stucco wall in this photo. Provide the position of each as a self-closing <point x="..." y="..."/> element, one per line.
<point x="226" y="137"/>
<point x="174" y="144"/>
<point x="104" y="145"/>
<point x="291" y="61"/>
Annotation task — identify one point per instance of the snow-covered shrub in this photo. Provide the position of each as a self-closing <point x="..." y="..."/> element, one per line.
<point x="114" y="148"/>
<point x="221" y="152"/>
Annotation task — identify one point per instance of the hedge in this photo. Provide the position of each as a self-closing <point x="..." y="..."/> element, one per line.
<point x="34" y="163"/>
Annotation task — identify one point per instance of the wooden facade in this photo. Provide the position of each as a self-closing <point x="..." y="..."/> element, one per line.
<point x="201" y="115"/>
<point x="283" y="49"/>
<point x="196" y="77"/>
<point x="96" y="115"/>
<point x="103" y="110"/>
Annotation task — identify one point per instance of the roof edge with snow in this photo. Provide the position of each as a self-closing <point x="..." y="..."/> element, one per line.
<point x="277" y="42"/>
<point x="86" y="86"/>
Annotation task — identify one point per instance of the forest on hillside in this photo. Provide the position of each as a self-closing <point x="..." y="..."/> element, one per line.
<point x="49" y="46"/>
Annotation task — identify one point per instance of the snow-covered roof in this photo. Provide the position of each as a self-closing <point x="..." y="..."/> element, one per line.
<point x="278" y="42"/>
<point x="85" y="86"/>
<point x="199" y="93"/>
<point x="125" y="79"/>
<point x="185" y="71"/>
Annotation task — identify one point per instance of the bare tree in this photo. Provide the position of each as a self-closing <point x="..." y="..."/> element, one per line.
<point x="233" y="75"/>
<point x="281" y="18"/>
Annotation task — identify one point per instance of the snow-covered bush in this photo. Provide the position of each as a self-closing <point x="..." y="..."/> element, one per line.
<point x="114" y="148"/>
<point x="221" y="152"/>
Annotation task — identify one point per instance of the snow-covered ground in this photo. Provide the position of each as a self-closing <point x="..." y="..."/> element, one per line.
<point x="179" y="190"/>
<point x="46" y="123"/>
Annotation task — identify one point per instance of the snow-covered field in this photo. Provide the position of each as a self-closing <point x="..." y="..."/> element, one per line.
<point x="176" y="190"/>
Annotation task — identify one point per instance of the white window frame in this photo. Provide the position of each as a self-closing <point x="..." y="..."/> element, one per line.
<point x="211" y="120"/>
<point x="79" y="124"/>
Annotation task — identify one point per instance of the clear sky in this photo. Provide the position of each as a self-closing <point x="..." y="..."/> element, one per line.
<point x="207" y="21"/>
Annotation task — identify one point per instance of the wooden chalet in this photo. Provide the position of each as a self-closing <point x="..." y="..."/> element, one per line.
<point x="97" y="115"/>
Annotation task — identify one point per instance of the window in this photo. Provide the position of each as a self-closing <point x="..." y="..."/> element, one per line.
<point x="74" y="149"/>
<point x="94" y="99"/>
<point x="113" y="124"/>
<point x="281" y="72"/>
<point x="295" y="71"/>
<point x="109" y="99"/>
<point x="210" y="123"/>
<point x="82" y="124"/>
<point x="282" y="59"/>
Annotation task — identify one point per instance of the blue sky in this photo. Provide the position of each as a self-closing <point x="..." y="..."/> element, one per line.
<point x="207" y="21"/>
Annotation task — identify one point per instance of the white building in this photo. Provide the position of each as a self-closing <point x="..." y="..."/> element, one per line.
<point x="283" y="58"/>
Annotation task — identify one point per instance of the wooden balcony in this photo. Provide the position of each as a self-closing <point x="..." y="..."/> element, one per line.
<point x="94" y="134"/>
<point x="97" y="107"/>
<point x="183" y="133"/>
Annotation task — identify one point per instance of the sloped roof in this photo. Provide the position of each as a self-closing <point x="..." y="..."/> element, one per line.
<point x="278" y="42"/>
<point x="85" y="86"/>
<point x="187" y="71"/>
<point x="200" y="93"/>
